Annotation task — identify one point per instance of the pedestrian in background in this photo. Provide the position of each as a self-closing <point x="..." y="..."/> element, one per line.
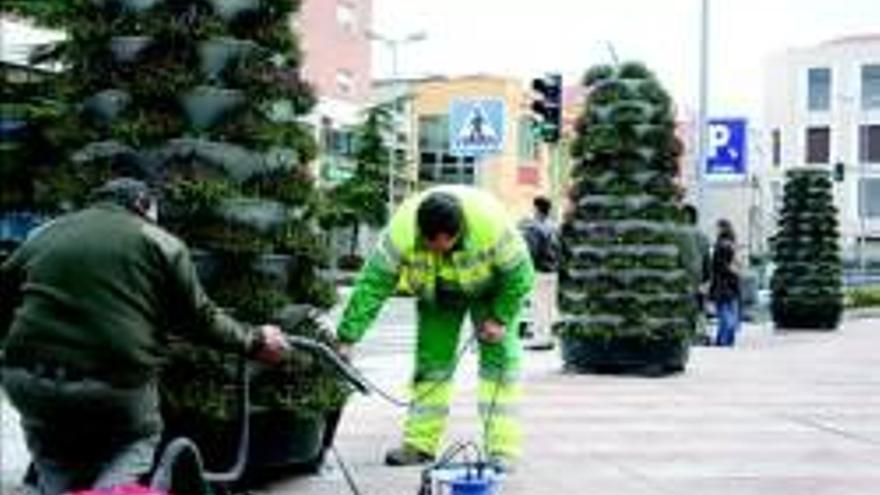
<point x="86" y="304"/>
<point x="542" y="238"/>
<point x="724" y="289"/>
<point x="695" y="252"/>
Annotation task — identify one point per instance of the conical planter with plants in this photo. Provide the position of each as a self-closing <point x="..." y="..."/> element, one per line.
<point x="182" y="93"/>
<point x="807" y="283"/>
<point x="623" y="294"/>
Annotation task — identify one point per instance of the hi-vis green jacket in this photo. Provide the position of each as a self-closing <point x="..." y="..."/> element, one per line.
<point x="490" y="261"/>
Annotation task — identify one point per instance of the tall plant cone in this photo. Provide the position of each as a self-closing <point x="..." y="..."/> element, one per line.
<point x="807" y="283"/>
<point x="623" y="292"/>
<point x="146" y="94"/>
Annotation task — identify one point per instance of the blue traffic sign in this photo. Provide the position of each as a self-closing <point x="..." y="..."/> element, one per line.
<point x="726" y="155"/>
<point x="476" y="126"/>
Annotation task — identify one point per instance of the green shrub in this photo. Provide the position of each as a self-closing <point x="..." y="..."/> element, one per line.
<point x="863" y="297"/>
<point x="806" y="284"/>
<point x="622" y="283"/>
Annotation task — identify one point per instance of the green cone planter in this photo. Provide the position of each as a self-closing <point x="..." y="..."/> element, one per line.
<point x="230" y="10"/>
<point x="217" y="54"/>
<point x="145" y="94"/>
<point x="623" y="292"/>
<point x="235" y="162"/>
<point x="206" y="106"/>
<point x="807" y="283"/>
<point x="107" y="105"/>
<point x="129" y="49"/>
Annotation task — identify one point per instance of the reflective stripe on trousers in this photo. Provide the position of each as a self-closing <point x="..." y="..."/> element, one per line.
<point x="437" y="347"/>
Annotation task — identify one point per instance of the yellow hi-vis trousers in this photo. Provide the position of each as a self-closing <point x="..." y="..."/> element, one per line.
<point x="439" y="326"/>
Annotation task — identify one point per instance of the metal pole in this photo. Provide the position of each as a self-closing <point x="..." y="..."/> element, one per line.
<point x="863" y="205"/>
<point x="612" y="52"/>
<point x="702" y="130"/>
<point x="555" y="165"/>
<point x="391" y="138"/>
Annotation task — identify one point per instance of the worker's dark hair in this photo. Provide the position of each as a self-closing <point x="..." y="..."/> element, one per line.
<point x="440" y="213"/>
<point x="129" y="193"/>
<point x="542" y="205"/>
<point x="691" y="216"/>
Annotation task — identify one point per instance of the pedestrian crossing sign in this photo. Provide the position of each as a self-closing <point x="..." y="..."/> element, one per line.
<point x="476" y="126"/>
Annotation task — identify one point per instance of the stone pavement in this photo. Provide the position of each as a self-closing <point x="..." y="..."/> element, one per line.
<point x="782" y="414"/>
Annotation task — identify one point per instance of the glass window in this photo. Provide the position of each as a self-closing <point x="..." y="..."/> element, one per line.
<point x="870" y="87"/>
<point x="346" y="16"/>
<point x="339" y="142"/>
<point x="870" y="206"/>
<point x="345" y="81"/>
<point x="869" y="144"/>
<point x="434" y="133"/>
<point x="819" y="89"/>
<point x="777" y="146"/>
<point x="818" y="145"/>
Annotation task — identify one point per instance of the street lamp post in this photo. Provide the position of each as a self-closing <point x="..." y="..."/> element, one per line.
<point x="703" y="110"/>
<point x="393" y="45"/>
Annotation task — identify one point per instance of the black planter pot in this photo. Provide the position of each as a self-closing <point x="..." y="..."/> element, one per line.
<point x="625" y="355"/>
<point x="282" y="443"/>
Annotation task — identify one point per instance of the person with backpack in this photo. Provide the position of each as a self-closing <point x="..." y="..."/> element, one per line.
<point x="542" y="238"/>
<point x="694" y="250"/>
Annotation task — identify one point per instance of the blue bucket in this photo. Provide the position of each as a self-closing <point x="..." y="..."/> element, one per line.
<point x="473" y="486"/>
<point x="466" y="479"/>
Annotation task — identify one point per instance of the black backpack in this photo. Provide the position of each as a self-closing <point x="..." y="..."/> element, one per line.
<point x="542" y="243"/>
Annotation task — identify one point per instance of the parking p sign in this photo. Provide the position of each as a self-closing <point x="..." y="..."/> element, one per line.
<point x="726" y="153"/>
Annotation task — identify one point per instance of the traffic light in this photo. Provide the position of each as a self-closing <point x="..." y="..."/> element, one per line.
<point x="839" y="170"/>
<point x="547" y="105"/>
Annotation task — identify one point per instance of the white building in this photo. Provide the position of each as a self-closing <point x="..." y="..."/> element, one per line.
<point x="822" y="107"/>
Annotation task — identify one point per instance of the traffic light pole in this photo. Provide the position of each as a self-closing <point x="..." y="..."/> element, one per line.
<point x="555" y="178"/>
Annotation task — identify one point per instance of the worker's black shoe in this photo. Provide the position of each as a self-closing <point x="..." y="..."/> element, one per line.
<point x="502" y="463"/>
<point x="407" y="456"/>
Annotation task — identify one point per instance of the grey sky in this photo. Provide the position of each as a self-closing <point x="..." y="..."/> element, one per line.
<point x="526" y="37"/>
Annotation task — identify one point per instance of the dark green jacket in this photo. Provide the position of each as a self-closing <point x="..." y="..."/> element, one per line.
<point x="97" y="291"/>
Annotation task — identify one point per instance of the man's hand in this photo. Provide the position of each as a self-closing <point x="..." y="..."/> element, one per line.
<point x="273" y="345"/>
<point x="491" y="332"/>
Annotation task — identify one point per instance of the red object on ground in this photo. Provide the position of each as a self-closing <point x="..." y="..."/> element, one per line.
<point x="131" y="489"/>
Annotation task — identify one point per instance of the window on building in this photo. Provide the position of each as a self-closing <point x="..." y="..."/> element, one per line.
<point x="870" y="87"/>
<point x="434" y="132"/>
<point x="776" y="138"/>
<point x="345" y="81"/>
<point x="818" y="145"/>
<point x="346" y="16"/>
<point x="436" y="163"/>
<point x="819" y="89"/>
<point x="339" y="142"/>
<point x="870" y="205"/>
<point x="869" y="144"/>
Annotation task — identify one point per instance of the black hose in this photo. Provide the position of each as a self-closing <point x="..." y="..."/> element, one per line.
<point x="181" y="470"/>
<point x="351" y="375"/>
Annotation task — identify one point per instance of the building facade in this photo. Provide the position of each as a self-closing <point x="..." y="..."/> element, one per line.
<point x="336" y="47"/>
<point x="337" y="60"/>
<point x="519" y="172"/>
<point x="822" y="108"/>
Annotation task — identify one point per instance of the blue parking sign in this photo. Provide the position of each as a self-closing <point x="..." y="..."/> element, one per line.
<point x="726" y="155"/>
